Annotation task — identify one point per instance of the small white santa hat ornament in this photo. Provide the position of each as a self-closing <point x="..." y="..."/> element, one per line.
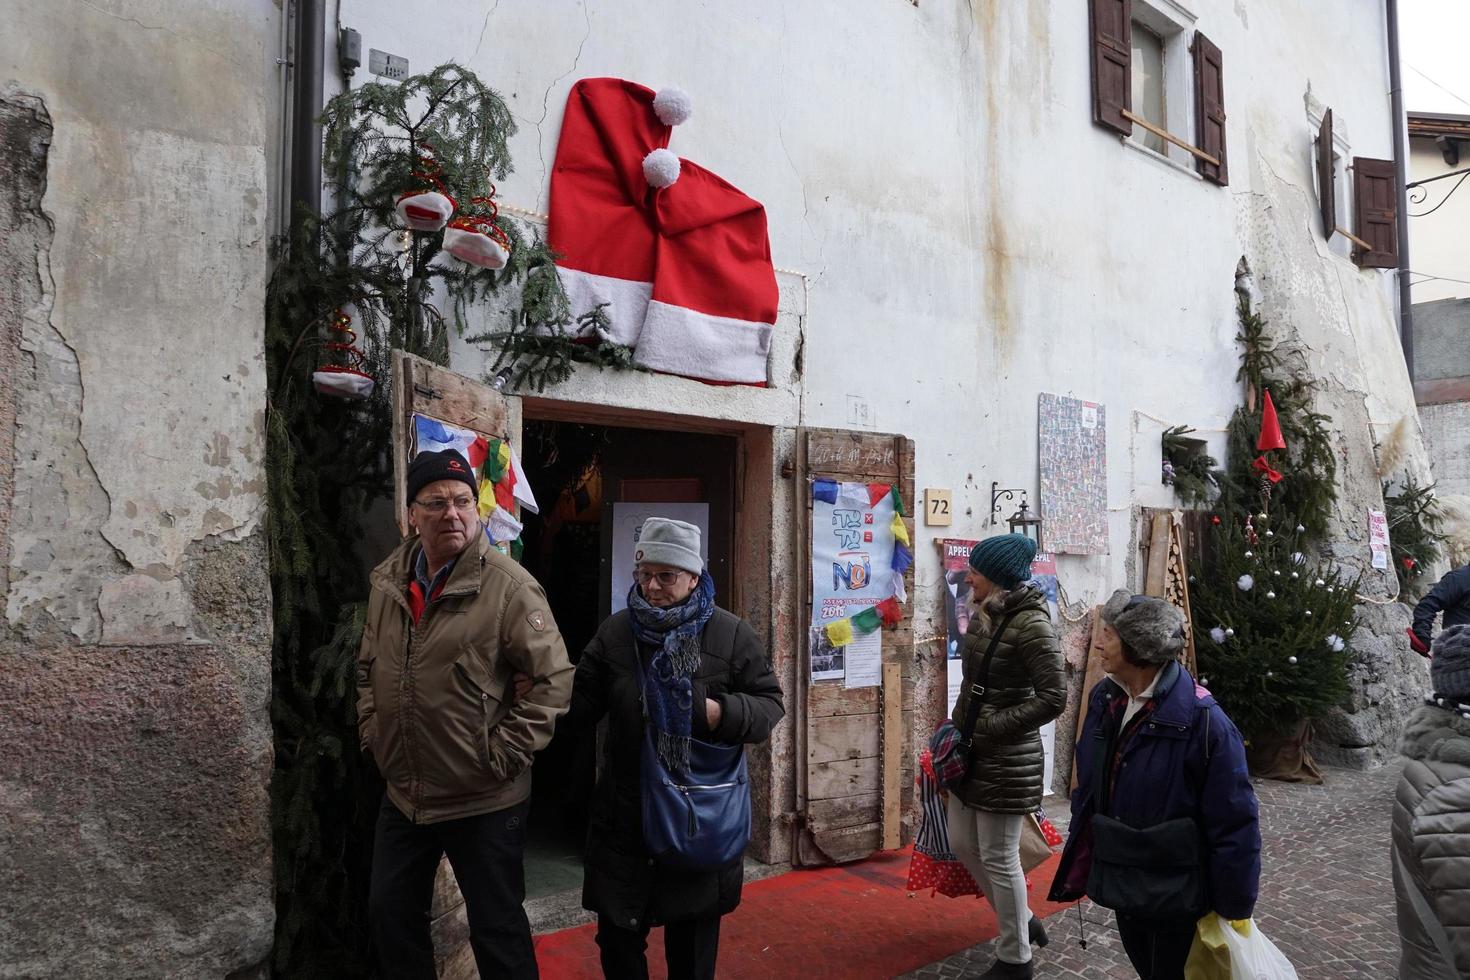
<point x="424" y="210"/>
<point x="678" y="258"/>
<point x="426" y="207"/>
<point x="338" y="380"/>
<point x="476" y="238"/>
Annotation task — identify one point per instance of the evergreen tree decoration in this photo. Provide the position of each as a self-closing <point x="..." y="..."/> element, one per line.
<point x="1194" y="479"/>
<point x="1415" y="533"/>
<point x="1274" y="625"/>
<point x="1271" y="629"/>
<point x="1308" y="466"/>
<point x="329" y="459"/>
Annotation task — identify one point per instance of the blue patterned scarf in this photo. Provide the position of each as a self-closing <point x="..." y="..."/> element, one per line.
<point x="668" y="684"/>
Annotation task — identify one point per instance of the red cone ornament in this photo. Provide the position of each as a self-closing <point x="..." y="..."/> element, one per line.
<point x="1270" y="428"/>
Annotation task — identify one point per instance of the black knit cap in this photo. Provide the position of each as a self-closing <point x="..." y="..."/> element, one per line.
<point x="446" y="464"/>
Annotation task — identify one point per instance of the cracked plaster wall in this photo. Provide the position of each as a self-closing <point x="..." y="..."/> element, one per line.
<point x="935" y="174"/>
<point x="134" y="818"/>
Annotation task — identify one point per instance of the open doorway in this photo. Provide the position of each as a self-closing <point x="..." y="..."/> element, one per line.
<point x="594" y="483"/>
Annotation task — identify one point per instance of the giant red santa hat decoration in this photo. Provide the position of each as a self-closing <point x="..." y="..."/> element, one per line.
<point x="679" y="256"/>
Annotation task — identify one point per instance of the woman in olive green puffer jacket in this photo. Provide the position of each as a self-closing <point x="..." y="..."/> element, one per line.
<point x="1025" y="689"/>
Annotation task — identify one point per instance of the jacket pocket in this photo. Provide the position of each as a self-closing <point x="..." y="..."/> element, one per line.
<point x="1154" y="872"/>
<point x="480" y="686"/>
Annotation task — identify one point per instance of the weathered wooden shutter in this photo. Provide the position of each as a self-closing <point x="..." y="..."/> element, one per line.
<point x="1209" y="108"/>
<point x="1326" y="176"/>
<point x="1375" y="199"/>
<point x="855" y="753"/>
<point x="1112" y="63"/>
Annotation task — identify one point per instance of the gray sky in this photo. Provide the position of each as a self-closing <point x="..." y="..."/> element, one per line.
<point x="1434" y="36"/>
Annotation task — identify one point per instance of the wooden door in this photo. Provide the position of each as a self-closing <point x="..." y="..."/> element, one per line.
<point x="854" y="755"/>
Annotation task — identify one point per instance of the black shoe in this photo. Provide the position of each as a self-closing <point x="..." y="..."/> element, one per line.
<point x="1001" y="970"/>
<point x="1037" y="933"/>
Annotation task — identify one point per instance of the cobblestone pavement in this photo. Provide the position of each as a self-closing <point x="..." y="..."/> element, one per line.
<point x="1326" y="890"/>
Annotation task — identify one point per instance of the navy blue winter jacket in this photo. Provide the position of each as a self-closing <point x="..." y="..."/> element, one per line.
<point x="1185" y="759"/>
<point x="1451" y="595"/>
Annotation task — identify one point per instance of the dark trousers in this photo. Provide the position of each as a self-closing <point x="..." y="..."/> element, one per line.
<point x="486" y="853"/>
<point x="689" y="949"/>
<point x="1157" y="949"/>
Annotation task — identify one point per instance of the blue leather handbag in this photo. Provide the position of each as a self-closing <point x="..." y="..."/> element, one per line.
<point x="697" y="820"/>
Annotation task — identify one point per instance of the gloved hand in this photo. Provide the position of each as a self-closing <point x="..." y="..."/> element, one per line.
<point x="1417" y="643"/>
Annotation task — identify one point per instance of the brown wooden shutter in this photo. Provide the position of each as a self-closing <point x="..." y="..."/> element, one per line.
<point x="1326" y="177"/>
<point x="1209" y="108"/>
<point x="1375" y="199"/>
<point x="1112" y="63"/>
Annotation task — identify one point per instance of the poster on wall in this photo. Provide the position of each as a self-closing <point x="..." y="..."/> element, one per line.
<point x="954" y="557"/>
<point x="1378" y="537"/>
<point x="627" y="521"/>
<point x="1072" y="444"/>
<point x="852" y="558"/>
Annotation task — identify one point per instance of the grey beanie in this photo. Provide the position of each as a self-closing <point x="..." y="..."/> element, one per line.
<point x="664" y="541"/>
<point x="1152" y="629"/>
<point x="1449" y="664"/>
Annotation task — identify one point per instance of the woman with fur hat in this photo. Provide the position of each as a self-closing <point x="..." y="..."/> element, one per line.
<point x="1165" y="826"/>
<point x="1431" y="821"/>
<point x="1022" y="689"/>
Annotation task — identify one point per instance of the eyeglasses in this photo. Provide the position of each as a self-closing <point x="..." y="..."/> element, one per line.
<point x="664" y="579"/>
<point x="438" y="505"/>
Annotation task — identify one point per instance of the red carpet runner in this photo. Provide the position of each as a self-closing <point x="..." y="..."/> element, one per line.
<point x="852" y="921"/>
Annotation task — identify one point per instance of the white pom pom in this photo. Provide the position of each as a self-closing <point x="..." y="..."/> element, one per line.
<point x="673" y="105"/>
<point x="661" y="168"/>
<point x="1244" y="583"/>
<point x="1218" y="635"/>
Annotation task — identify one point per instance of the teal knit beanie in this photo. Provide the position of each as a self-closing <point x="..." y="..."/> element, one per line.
<point x="1004" y="559"/>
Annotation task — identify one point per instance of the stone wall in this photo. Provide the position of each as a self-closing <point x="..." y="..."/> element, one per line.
<point x="135" y="646"/>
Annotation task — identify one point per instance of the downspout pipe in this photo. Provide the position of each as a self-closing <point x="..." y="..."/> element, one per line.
<point x="1401" y="166"/>
<point x="306" y="108"/>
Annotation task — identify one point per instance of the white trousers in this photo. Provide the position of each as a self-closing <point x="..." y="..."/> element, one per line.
<point x="989" y="846"/>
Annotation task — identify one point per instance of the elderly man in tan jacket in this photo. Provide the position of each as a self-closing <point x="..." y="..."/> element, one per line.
<point x="449" y="621"/>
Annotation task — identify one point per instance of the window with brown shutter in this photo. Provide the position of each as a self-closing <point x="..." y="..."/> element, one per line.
<point x="1112" y="71"/>
<point x="1375" y="201"/>
<point x="1326" y="176"/>
<point x="1209" y="109"/>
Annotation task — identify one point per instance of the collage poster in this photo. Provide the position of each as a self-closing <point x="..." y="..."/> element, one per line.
<point x="954" y="557"/>
<point x="852" y="558"/>
<point x="1072" y="440"/>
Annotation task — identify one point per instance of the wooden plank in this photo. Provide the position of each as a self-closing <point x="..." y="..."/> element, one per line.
<point x="401" y="446"/>
<point x="849" y="843"/>
<point x="446" y="891"/>
<point x="836" y="737"/>
<point x="892" y="752"/>
<point x="831" y="698"/>
<point x="1158" y="554"/>
<point x="865" y="456"/>
<point x="455" y="399"/>
<point x="846" y="811"/>
<point x="1090" y="677"/>
<point x="843" y="777"/>
<point x="1164" y="134"/>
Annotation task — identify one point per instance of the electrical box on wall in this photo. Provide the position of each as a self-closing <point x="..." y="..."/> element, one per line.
<point x="387" y="65"/>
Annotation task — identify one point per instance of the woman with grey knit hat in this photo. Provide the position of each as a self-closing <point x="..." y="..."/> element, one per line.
<point x="682" y="669"/>
<point x="1431" y="821"/>
<point x="1165" y="826"/>
<point x="1021" y="687"/>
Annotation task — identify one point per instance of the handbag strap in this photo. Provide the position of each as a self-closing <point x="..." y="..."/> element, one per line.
<point x="977" y="689"/>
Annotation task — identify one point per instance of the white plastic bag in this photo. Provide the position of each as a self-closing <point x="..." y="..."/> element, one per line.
<point x="1251" y="956"/>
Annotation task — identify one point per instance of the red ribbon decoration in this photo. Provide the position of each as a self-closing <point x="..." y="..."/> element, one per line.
<point x="1264" y="468"/>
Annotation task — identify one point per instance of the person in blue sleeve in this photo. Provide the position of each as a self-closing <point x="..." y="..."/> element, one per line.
<point x="1165" y="825"/>
<point x="1450" y="596"/>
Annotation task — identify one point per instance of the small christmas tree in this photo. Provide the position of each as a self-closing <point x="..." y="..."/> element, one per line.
<point x="1272" y="627"/>
<point x="1273" y="624"/>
